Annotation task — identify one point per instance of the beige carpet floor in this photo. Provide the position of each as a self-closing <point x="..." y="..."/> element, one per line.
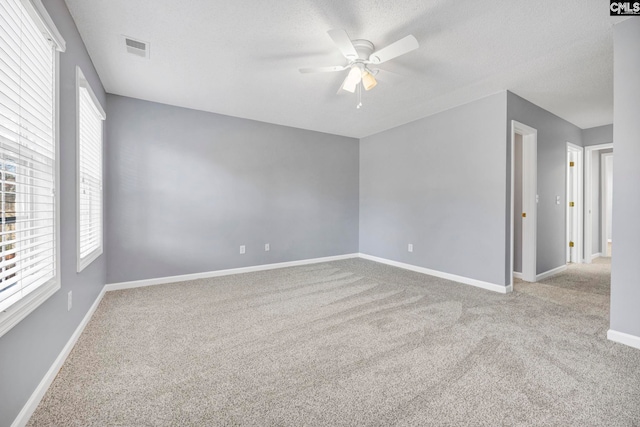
<point x="349" y="343"/>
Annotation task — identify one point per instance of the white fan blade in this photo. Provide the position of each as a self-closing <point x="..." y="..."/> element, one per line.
<point x="386" y="76"/>
<point x="323" y="69"/>
<point x="394" y="50"/>
<point x="342" y="40"/>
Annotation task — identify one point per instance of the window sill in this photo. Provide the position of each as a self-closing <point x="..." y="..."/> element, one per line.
<point x="21" y="309"/>
<point x="84" y="262"/>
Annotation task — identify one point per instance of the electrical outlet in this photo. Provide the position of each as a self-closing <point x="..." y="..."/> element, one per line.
<point x="266" y="247"/>
<point x="410" y="247"/>
<point x="242" y="249"/>
<point x="69" y="301"/>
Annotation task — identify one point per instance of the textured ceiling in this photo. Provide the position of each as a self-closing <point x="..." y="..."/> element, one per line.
<point x="241" y="57"/>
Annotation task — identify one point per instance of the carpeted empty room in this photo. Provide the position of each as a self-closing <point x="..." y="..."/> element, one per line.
<point x="319" y="213"/>
<point x="349" y="342"/>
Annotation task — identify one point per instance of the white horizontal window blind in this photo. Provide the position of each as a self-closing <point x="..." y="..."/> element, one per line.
<point x="27" y="155"/>
<point x="90" y="117"/>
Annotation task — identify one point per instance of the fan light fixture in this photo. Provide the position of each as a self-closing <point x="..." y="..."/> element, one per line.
<point x="368" y="81"/>
<point x="352" y="80"/>
<point x="360" y="54"/>
<point x="356" y="75"/>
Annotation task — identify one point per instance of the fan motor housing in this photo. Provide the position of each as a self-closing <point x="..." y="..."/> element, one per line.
<point x="364" y="48"/>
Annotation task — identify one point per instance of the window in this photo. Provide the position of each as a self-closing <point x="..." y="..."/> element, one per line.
<point x="90" y="117"/>
<point x="28" y="159"/>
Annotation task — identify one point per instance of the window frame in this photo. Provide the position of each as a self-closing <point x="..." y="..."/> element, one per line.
<point x="82" y="83"/>
<point x="15" y="313"/>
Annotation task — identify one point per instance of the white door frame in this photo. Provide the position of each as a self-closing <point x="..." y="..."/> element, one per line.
<point x="578" y="205"/>
<point x="529" y="198"/>
<point x="588" y="198"/>
<point x="603" y="208"/>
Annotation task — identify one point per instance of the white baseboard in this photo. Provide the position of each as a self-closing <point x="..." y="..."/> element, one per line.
<point x="551" y="272"/>
<point x="34" y="400"/>
<point x="622" y="338"/>
<point x="517" y="275"/>
<point x="448" y="276"/>
<point x="594" y="256"/>
<point x="218" y="273"/>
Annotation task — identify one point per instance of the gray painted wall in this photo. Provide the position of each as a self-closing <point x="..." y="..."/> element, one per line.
<point x="30" y="348"/>
<point x="597" y="135"/>
<point x="553" y="134"/>
<point x="439" y="183"/>
<point x="625" y="268"/>
<point x="186" y="188"/>
<point x="517" y="205"/>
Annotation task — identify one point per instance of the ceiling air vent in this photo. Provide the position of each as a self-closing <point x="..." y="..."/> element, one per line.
<point x="136" y="47"/>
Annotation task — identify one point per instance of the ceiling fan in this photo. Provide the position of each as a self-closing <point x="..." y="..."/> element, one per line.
<point x="361" y="55"/>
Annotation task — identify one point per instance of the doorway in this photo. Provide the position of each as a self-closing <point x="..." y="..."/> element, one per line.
<point x="574" y="203"/>
<point x="595" y="223"/>
<point x="524" y="178"/>
<point x="606" y="175"/>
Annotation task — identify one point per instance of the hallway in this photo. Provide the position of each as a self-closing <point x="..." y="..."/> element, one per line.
<point x="584" y="287"/>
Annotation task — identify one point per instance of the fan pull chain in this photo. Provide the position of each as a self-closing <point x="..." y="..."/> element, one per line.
<point x="359" y="88"/>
